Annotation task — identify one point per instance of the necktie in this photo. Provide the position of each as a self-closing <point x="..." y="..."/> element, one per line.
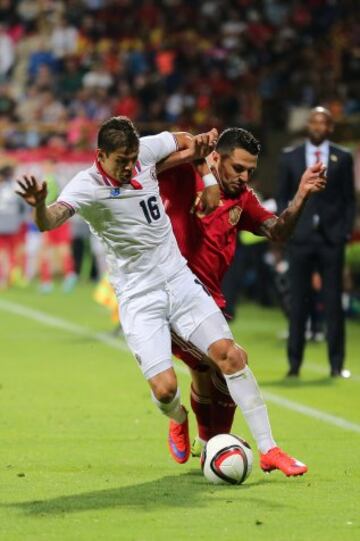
<point x="316" y="217"/>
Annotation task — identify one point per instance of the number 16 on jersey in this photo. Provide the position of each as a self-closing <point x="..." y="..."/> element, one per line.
<point x="150" y="209"/>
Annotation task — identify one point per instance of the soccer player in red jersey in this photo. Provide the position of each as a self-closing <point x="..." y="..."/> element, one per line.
<point x="208" y="243"/>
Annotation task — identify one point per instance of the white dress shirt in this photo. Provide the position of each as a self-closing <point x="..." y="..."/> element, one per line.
<point x="313" y="154"/>
<point x="310" y="153"/>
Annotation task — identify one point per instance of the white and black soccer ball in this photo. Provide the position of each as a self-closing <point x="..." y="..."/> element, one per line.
<point x="226" y="458"/>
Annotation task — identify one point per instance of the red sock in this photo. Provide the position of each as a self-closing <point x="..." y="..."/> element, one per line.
<point x="12" y="258"/>
<point x="68" y="264"/>
<point x="223" y="406"/>
<point x="202" y="408"/>
<point x="45" y="271"/>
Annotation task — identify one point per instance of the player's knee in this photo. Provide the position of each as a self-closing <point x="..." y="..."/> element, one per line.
<point x="165" y="390"/>
<point x="236" y="359"/>
<point x="229" y="356"/>
<point x="164" y="385"/>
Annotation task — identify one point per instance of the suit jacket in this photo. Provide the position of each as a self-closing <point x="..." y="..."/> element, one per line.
<point x="334" y="207"/>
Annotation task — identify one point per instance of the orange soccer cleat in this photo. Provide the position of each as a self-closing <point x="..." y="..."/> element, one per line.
<point x="179" y="441"/>
<point x="276" y="459"/>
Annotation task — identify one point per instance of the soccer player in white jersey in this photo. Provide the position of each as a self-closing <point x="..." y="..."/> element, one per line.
<point x="119" y="198"/>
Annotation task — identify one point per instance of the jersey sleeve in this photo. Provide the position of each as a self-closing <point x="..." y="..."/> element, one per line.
<point x="155" y="148"/>
<point x="76" y="195"/>
<point x="254" y="214"/>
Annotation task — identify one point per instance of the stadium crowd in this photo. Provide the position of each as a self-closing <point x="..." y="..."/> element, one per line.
<point x="65" y="65"/>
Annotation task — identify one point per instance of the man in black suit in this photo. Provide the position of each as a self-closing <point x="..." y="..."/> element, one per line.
<point x="319" y="238"/>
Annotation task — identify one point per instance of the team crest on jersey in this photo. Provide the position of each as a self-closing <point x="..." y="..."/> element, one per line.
<point x="234" y="215"/>
<point x="115" y="192"/>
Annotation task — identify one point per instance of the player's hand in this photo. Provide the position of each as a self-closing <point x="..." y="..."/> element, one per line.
<point x="204" y="143"/>
<point x="32" y="192"/>
<point x="210" y="199"/>
<point x="313" y="180"/>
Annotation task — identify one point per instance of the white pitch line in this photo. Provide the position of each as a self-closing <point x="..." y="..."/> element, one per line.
<point x="62" y="324"/>
<point x="312" y="412"/>
<point x="59" y="323"/>
<point x="300" y="408"/>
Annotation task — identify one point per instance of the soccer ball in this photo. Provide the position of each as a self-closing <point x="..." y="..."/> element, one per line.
<point x="226" y="458"/>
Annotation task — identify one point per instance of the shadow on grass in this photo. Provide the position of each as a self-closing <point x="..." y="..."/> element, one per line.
<point x="189" y="490"/>
<point x="290" y="383"/>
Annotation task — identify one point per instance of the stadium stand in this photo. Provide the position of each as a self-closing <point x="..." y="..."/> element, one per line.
<point x="65" y="65"/>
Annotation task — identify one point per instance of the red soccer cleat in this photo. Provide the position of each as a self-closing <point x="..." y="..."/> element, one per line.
<point x="179" y="441"/>
<point x="276" y="459"/>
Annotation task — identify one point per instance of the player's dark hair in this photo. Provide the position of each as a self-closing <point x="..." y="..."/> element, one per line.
<point x="232" y="138"/>
<point x="117" y="132"/>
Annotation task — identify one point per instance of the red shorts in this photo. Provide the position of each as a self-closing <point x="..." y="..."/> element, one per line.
<point x="192" y="357"/>
<point x="9" y="242"/>
<point x="60" y="235"/>
<point x="21" y="234"/>
<point x="189" y="354"/>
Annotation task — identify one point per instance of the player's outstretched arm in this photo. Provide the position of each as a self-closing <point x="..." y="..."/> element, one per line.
<point x="34" y="194"/>
<point x="281" y="228"/>
<point x="191" y="147"/>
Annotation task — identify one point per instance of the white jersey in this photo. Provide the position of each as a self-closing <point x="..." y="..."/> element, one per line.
<point x="130" y="221"/>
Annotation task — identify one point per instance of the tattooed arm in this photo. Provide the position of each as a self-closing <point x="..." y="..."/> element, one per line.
<point x="281" y="228"/>
<point x="46" y="218"/>
<point x="50" y="217"/>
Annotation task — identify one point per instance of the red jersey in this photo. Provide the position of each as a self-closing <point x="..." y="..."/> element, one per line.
<point x="208" y="242"/>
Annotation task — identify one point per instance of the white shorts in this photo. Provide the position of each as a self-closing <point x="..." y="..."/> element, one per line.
<point x="183" y="304"/>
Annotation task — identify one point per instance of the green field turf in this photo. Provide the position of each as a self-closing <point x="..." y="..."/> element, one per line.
<point x="83" y="451"/>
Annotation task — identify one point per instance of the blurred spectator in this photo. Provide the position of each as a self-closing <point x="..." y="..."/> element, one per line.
<point x="80" y="243"/>
<point x="103" y="105"/>
<point x="81" y="132"/>
<point x="29" y="105"/>
<point x="56" y="253"/>
<point x="126" y="102"/>
<point x="98" y="77"/>
<point x="44" y="78"/>
<point x="41" y="56"/>
<point x="194" y="64"/>
<point x="7" y="52"/>
<point x="12" y="215"/>
<point x="64" y="38"/>
<point x="70" y="78"/>
<point x="7" y="102"/>
<point x="28" y="10"/>
<point x="51" y="110"/>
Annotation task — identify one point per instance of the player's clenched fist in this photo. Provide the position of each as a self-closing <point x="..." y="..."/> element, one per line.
<point x="32" y="192"/>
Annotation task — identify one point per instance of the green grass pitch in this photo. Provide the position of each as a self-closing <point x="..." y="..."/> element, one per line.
<point x="83" y="451"/>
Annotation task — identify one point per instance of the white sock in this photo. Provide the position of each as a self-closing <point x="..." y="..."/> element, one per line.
<point x="246" y="394"/>
<point x="172" y="409"/>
